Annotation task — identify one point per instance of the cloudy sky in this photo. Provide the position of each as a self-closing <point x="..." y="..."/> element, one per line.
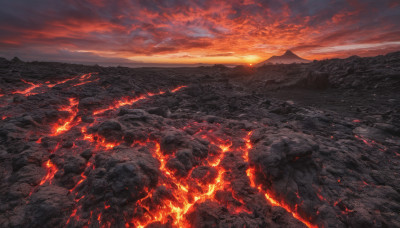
<point x="137" y="32"/>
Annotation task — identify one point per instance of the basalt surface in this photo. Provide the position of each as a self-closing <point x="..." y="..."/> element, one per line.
<point x="90" y="146"/>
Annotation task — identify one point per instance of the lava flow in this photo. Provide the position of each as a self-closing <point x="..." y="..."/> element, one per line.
<point x="51" y="171"/>
<point x="28" y="91"/>
<point x="129" y="101"/>
<point x="84" y="79"/>
<point x="185" y="191"/>
<point x="66" y="124"/>
<point x="98" y="141"/>
<point x="185" y="194"/>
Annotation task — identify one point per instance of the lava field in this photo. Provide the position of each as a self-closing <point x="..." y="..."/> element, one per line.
<point x="303" y="145"/>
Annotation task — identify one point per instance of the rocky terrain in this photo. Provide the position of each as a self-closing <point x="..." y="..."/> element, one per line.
<point x="301" y="145"/>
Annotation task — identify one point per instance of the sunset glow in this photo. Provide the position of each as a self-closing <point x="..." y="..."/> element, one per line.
<point x="136" y="33"/>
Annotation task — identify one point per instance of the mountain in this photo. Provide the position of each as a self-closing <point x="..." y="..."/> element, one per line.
<point x="287" y="58"/>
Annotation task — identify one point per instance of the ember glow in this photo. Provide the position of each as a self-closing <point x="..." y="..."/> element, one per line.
<point x="143" y="33"/>
<point x="371" y="143"/>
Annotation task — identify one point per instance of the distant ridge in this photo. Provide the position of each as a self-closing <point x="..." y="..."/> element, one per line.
<point x="287" y="58"/>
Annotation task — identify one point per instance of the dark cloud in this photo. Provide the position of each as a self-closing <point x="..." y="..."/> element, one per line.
<point x="131" y="28"/>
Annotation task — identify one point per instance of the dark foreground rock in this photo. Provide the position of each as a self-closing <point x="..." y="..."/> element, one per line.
<point x="314" y="145"/>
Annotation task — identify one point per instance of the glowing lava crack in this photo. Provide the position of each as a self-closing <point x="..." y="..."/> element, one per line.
<point x="67" y="124"/>
<point x="37" y="88"/>
<point x="268" y="196"/>
<point x="184" y="194"/>
<point x="129" y="101"/>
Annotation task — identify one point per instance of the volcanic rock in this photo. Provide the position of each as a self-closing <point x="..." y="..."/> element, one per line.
<point x="47" y="207"/>
<point x="297" y="145"/>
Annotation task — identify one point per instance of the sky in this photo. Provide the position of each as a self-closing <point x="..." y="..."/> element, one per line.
<point x="176" y="32"/>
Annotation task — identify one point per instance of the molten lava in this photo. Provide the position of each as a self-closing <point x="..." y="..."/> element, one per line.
<point x="130" y="101"/>
<point x="84" y="79"/>
<point x="51" y="171"/>
<point x="66" y="124"/>
<point x="186" y="192"/>
<point x="186" y="196"/>
<point x="123" y="102"/>
<point x="27" y="91"/>
<point x="83" y="177"/>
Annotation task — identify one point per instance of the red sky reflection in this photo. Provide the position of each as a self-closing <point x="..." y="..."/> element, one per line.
<point x="140" y="32"/>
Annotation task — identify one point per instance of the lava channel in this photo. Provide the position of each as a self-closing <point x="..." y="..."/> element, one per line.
<point x="129" y="101"/>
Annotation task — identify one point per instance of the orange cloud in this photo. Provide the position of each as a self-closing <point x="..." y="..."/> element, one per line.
<point x="190" y="32"/>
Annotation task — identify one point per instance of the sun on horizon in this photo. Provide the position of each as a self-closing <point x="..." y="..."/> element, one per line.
<point x="141" y="33"/>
